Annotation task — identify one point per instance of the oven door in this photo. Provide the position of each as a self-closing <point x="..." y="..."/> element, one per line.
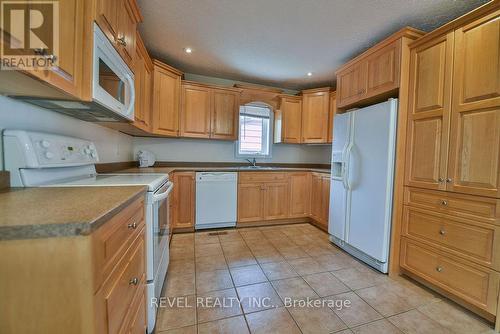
<point x="161" y="231"/>
<point x="113" y="82"/>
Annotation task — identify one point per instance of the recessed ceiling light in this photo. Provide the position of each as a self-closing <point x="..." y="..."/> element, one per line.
<point x="309" y="74"/>
<point x="188" y="50"/>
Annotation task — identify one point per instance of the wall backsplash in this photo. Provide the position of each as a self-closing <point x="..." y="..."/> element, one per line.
<point x="112" y="146"/>
<point x="196" y="150"/>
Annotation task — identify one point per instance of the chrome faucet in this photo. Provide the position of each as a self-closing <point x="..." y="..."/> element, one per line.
<point x="253" y="162"/>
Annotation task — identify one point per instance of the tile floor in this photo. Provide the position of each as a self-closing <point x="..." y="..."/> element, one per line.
<point x="244" y="281"/>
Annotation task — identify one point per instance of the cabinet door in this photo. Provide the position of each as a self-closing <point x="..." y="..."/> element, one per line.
<point x="276" y="200"/>
<point x="107" y="17"/>
<point x="184" y="199"/>
<point x="250" y="202"/>
<point x="331" y="115"/>
<point x="325" y="199"/>
<point x="127" y="28"/>
<point x="316" y="197"/>
<point x="300" y="194"/>
<point x="473" y="166"/>
<point x="166" y="91"/>
<point x="383" y="69"/>
<point x="315" y="117"/>
<point x="143" y="77"/>
<point x="195" y="111"/>
<point x="225" y="114"/>
<point x="351" y="84"/>
<point x="429" y="116"/>
<point x="292" y="119"/>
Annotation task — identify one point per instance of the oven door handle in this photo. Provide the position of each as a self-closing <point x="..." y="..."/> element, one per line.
<point x="163" y="195"/>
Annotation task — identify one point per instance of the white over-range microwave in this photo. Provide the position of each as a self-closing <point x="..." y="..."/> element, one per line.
<point x="113" y="91"/>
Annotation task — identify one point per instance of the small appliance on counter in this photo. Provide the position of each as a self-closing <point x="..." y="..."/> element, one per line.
<point x="146" y="158"/>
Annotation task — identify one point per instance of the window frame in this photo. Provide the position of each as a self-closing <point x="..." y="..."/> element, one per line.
<point x="269" y="137"/>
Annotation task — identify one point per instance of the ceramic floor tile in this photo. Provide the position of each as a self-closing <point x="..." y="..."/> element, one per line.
<point x="316" y="319"/>
<point x="224" y="326"/>
<point x="179" y="284"/>
<point x="306" y="266"/>
<point x="181" y="267"/>
<point x="276" y="321"/>
<point x="208" y="250"/>
<point x="377" y="327"/>
<point x="454" y="318"/>
<point x="278" y="270"/>
<point x="293" y="289"/>
<point x="356" y="279"/>
<point x="205" y="238"/>
<point x="353" y="310"/>
<point x="282" y="243"/>
<point x="213" y="280"/>
<point x="273" y="234"/>
<point x="385" y="300"/>
<point x="240" y="259"/>
<point x="338" y="261"/>
<point x="302" y="240"/>
<point x="291" y="253"/>
<point x="248" y="275"/>
<point x="181" y="313"/>
<point x="230" y="236"/>
<point x="234" y="247"/>
<point x="325" y="284"/>
<point x="210" y="263"/>
<point x="267" y="255"/>
<point x="183" y="330"/>
<point x="257" y="297"/>
<point x="181" y="253"/>
<point x="314" y="250"/>
<point x="251" y="234"/>
<point x="217" y="305"/>
<point x="345" y="331"/>
<point x="182" y="239"/>
<point x="415" y="322"/>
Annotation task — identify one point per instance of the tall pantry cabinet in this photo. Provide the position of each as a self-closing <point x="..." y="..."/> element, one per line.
<point x="451" y="220"/>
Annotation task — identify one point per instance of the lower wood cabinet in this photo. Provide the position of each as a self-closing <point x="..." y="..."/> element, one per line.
<point x="250" y="202"/>
<point x="320" y="198"/>
<point x="276" y="200"/>
<point x="183" y="200"/>
<point x="300" y="194"/>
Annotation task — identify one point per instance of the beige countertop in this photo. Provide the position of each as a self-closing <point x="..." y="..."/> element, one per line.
<point x="167" y="170"/>
<point x="52" y="212"/>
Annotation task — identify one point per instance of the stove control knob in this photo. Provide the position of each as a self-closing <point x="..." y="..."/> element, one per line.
<point x="86" y="150"/>
<point x="49" y="155"/>
<point x="93" y="154"/>
<point x="45" y="143"/>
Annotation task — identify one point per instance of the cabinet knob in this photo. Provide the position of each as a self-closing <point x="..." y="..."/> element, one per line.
<point x="439" y="269"/>
<point x="133" y="281"/>
<point x="441" y="180"/>
<point x="132" y="226"/>
<point x="121" y="41"/>
<point x="444" y="202"/>
<point x="442" y="231"/>
<point x="448" y="180"/>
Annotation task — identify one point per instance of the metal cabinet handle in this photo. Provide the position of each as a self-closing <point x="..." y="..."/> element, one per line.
<point x="121" y="41"/>
<point x="444" y="202"/>
<point x="132" y="226"/>
<point x="133" y="281"/>
<point x="439" y="269"/>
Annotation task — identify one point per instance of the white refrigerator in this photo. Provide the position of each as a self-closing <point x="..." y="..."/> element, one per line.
<point x="363" y="153"/>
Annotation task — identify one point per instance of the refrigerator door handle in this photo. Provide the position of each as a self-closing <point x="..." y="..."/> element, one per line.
<point x="347" y="184"/>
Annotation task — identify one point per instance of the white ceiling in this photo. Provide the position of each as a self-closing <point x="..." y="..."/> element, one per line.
<point x="276" y="42"/>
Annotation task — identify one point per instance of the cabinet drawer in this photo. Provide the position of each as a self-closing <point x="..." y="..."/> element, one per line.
<point x="136" y="318"/>
<point x="261" y="176"/>
<point x="467" y="206"/>
<point x="472" y="283"/>
<point x="116" y="295"/>
<point x="471" y="240"/>
<point x="111" y="240"/>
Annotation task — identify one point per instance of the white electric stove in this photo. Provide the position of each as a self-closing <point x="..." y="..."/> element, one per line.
<point x="37" y="159"/>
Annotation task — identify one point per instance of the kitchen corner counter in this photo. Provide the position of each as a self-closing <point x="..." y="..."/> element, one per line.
<point x="170" y="169"/>
<point x="27" y="213"/>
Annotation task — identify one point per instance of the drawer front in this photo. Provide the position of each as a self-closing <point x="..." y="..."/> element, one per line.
<point x="261" y="177"/>
<point x="472" y="283"/>
<point x="138" y="322"/>
<point x="123" y="285"/>
<point x="114" y="238"/>
<point x="474" y="241"/>
<point x="467" y="206"/>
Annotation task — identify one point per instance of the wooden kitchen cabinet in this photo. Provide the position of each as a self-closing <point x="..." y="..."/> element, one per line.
<point x="195" y="111"/>
<point x="351" y="84"/>
<point x="331" y="116"/>
<point x="320" y="199"/>
<point x="291" y="127"/>
<point x="276" y="200"/>
<point x="143" y="87"/>
<point x="300" y="194"/>
<point x="382" y="69"/>
<point x="429" y="113"/>
<point x="316" y="195"/>
<point x="250" y="202"/>
<point x="184" y="200"/>
<point x="166" y="94"/>
<point x="315" y="113"/>
<point x="209" y="111"/>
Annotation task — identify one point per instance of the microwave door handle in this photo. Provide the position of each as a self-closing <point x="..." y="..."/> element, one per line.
<point x="163" y="195"/>
<point x="132" y="94"/>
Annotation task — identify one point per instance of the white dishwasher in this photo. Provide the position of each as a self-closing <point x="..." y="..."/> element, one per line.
<point x="216" y="199"/>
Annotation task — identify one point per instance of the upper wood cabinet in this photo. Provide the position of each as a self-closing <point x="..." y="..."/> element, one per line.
<point x="315" y="113"/>
<point x="375" y="74"/>
<point x="184" y="200"/>
<point x="143" y="79"/>
<point x="291" y="113"/>
<point x="118" y="20"/>
<point x="209" y="111"/>
<point x="429" y="113"/>
<point x="331" y="116"/>
<point x="300" y="194"/>
<point x="195" y="111"/>
<point x="166" y="93"/>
